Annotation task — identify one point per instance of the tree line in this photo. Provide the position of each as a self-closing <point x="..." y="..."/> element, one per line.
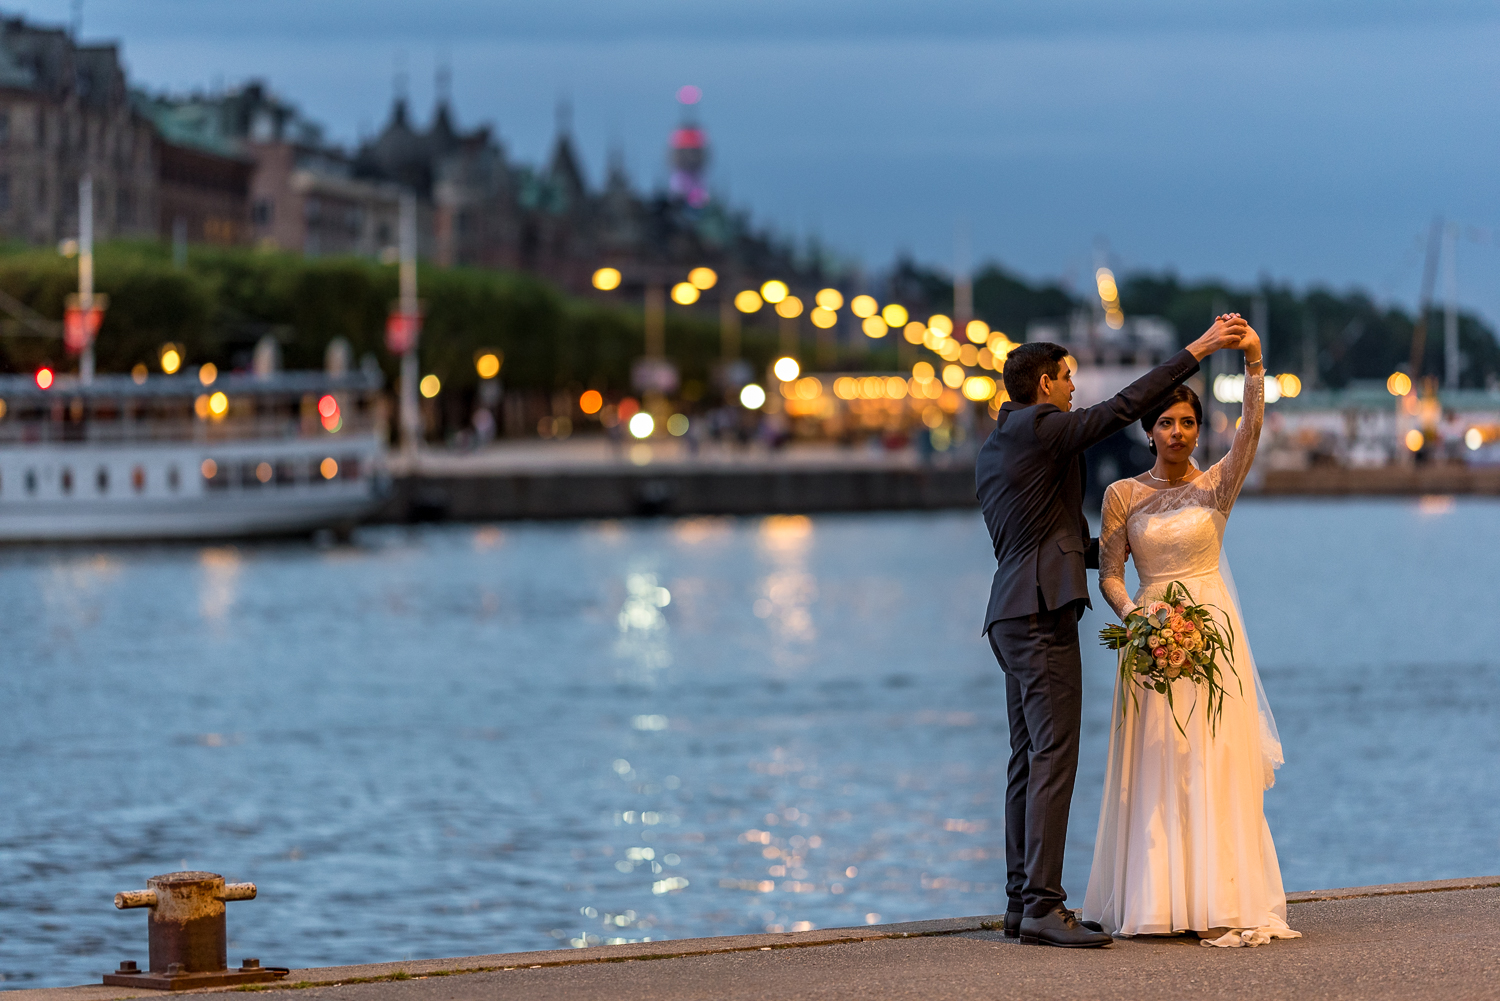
<point x="221" y="301"/>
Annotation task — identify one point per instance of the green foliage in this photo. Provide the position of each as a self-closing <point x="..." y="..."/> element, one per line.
<point x="225" y="300"/>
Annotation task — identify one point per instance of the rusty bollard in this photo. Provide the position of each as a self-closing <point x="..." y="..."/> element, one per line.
<point x="187" y="936"/>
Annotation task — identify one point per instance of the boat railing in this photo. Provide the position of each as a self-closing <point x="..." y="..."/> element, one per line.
<point x="184" y="430"/>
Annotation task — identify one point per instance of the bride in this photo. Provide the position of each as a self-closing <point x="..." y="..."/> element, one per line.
<point x="1183" y="844"/>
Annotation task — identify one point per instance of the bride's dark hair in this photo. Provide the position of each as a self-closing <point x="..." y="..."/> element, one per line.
<point x="1182" y="394"/>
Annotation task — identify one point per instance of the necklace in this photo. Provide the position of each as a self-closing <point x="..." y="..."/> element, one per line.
<point x="1168" y="481"/>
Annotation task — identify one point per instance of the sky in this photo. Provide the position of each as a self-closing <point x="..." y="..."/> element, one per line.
<point x="1310" y="142"/>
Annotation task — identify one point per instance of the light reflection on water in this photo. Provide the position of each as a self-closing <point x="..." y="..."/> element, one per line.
<point x="464" y="740"/>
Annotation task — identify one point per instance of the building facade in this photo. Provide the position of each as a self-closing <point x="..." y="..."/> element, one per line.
<point x="65" y="111"/>
<point x="241" y="166"/>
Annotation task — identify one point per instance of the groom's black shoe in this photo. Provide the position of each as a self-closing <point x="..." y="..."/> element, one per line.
<point x="1012" y="927"/>
<point x="1061" y="927"/>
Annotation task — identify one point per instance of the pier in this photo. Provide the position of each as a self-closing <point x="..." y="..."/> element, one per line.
<point x="595" y="479"/>
<point x="1439" y="939"/>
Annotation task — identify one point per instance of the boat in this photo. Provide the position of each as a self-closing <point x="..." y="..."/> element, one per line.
<point x="189" y="456"/>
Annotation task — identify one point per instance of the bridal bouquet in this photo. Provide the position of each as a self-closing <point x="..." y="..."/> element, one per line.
<point x="1174" y="638"/>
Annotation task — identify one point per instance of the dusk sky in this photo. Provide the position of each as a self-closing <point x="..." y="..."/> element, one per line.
<point x="1313" y="142"/>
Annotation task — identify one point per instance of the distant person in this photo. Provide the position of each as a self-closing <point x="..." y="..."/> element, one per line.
<point x="1030" y="477"/>
<point x="1183" y="844"/>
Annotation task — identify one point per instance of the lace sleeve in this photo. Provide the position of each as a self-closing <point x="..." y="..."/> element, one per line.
<point x="1235" y="466"/>
<point x="1112" y="543"/>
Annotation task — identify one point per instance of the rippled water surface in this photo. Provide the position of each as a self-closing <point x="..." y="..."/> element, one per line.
<point x="462" y="740"/>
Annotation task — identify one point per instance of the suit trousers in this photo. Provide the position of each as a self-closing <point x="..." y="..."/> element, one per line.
<point x="1044" y="702"/>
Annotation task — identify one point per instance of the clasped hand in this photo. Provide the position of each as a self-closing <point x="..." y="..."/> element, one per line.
<point x="1228" y="331"/>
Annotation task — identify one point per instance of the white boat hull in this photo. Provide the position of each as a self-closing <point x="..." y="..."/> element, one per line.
<point x="57" y="492"/>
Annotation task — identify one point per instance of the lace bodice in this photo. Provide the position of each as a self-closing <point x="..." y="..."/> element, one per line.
<point x="1176" y="532"/>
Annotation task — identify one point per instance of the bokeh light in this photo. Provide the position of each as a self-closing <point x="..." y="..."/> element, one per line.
<point x="607" y="279"/>
<point x="591" y="401"/>
<point x="977" y="331"/>
<point x="752" y="397"/>
<point x="786" y="369"/>
<point x="171" y="359"/>
<point x="218" y="405"/>
<point x="941" y="324"/>
<point x="487" y="365"/>
<point x="874" y="326"/>
<point x="748" y="301"/>
<point x="685" y="293"/>
<point x="953" y="376"/>
<point x="914" y="332"/>
<point x="829" y="298"/>
<point x="979" y="387"/>
<point x="703" y="278"/>
<point x="1399" y="384"/>
<point x="641" y="424"/>
<point x="1415" y="440"/>
<point x="774" y="291"/>
<point x="430" y="386"/>
<point x="677" y="425"/>
<point x="208" y="373"/>
<point x="863" y="306"/>
<point x="895" y="315"/>
<point x="789" y="307"/>
<point x="823" y="318"/>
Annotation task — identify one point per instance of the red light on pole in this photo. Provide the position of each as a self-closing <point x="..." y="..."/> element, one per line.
<point x="80" y="326"/>
<point x="44" y="378"/>
<point x="401" y="331"/>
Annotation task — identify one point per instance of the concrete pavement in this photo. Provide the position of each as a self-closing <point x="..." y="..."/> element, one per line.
<point x="1407" y="940"/>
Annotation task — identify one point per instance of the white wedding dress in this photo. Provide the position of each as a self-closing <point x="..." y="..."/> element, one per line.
<point x="1183" y="843"/>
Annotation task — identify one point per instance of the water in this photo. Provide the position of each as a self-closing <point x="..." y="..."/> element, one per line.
<point x="463" y="740"/>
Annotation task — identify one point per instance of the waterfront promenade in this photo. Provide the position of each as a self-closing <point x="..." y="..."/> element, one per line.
<point x="1436" y="939"/>
<point x="596" y="478"/>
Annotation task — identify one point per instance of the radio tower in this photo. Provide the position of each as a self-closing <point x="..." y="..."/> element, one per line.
<point x="689" y="153"/>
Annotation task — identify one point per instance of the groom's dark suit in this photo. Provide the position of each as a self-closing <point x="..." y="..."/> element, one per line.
<point x="1030" y="476"/>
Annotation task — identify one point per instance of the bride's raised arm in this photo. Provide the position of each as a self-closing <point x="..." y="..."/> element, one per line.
<point x="1112" y="547"/>
<point x="1235" y="466"/>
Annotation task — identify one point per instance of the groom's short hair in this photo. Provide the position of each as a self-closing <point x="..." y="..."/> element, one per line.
<point x="1025" y="366"/>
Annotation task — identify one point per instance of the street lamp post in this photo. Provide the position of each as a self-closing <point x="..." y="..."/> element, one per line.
<point x="411" y="415"/>
<point x="86" y="273"/>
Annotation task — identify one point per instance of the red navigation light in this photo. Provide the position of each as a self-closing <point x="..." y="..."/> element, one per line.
<point x="688" y="138"/>
<point x="44" y="377"/>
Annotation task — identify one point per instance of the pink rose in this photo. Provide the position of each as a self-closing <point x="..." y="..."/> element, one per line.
<point x="1159" y="653"/>
<point x="1158" y="606"/>
<point x="1178" y="623"/>
<point x="1177" y="657"/>
<point x="1181" y="609"/>
<point x="1161" y="662"/>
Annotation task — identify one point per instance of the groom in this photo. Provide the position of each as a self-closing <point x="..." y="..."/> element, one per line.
<point x="1030" y="476"/>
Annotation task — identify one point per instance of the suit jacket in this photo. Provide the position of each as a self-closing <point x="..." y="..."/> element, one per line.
<point x="1030" y="477"/>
